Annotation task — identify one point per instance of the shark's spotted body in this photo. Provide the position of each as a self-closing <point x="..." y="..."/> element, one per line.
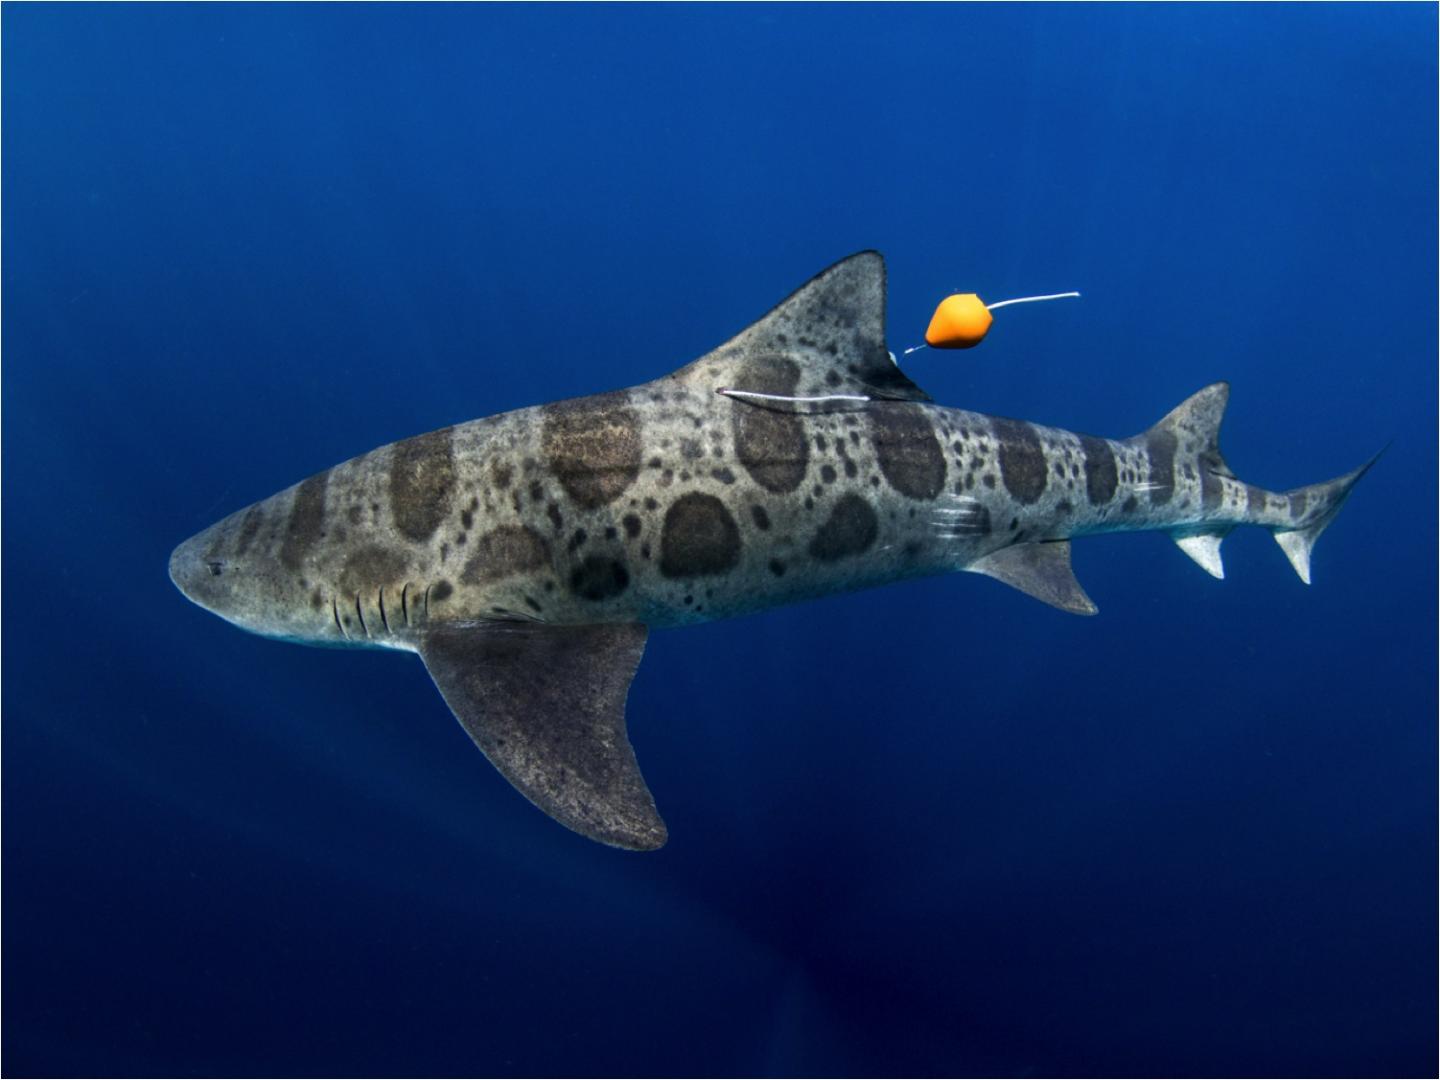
<point x="524" y="555"/>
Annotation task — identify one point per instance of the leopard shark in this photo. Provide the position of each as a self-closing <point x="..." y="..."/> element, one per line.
<point x="525" y="556"/>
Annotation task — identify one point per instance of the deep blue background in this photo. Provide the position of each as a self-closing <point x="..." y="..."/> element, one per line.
<point x="936" y="828"/>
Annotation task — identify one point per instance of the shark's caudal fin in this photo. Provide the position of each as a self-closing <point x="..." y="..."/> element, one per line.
<point x="547" y="706"/>
<point x="1193" y="427"/>
<point x="1322" y="502"/>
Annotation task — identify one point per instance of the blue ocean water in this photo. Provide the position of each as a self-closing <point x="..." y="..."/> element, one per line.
<point x="933" y="829"/>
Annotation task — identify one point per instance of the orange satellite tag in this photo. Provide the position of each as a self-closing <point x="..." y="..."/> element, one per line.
<point x="961" y="321"/>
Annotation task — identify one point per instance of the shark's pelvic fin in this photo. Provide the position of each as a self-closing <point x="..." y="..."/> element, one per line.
<point x="824" y="342"/>
<point x="1204" y="548"/>
<point x="1327" y="498"/>
<point x="547" y="706"/>
<point x="1040" y="569"/>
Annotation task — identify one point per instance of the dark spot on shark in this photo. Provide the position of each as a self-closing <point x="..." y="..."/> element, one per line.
<point x="1297" y="505"/>
<point x="988" y="480"/>
<point x="611" y="532"/>
<point x="1128" y="506"/>
<point x="1100" y="473"/>
<point x="505" y="551"/>
<point x="1063" y="506"/>
<point x="441" y="591"/>
<point x="632" y="525"/>
<point x="725" y="476"/>
<point x="593" y="447"/>
<point x="907" y="450"/>
<point x="500" y="473"/>
<point x="354" y="515"/>
<point x="599" y="578"/>
<point x="368" y="568"/>
<point x="1160" y="445"/>
<point x="1254" y="500"/>
<point x="578" y="540"/>
<point x="537" y="491"/>
<point x="777" y="568"/>
<point x="422" y="483"/>
<point x="651" y="504"/>
<point x="827" y="474"/>
<point x="1212" y="490"/>
<point x="850" y="530"/>
<point x="698" y="537"/>
<point x="254" y="518"/>
<point x="306" y="523"/>
<point x="770" y="444"/>
<point x="467" y="518"/>
<point x="553" y="513"/>
<point x="762" y="519"/>
<point x="1022" y="459"/>
<point x="691" y="449"/>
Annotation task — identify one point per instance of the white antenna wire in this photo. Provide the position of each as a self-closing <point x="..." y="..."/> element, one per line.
<point x="785" y="397"/>
<point x="1028" y="299"/>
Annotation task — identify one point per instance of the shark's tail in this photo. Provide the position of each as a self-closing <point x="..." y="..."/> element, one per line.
<point x="1295" y="518"/>
<point x="1314" y="507"/>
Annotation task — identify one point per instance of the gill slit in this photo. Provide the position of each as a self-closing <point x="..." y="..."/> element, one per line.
<point x="404" y="605"/>
<point x="359" y="611"/>
<point x="383" y="617"/>
<point x="335" y="610"/>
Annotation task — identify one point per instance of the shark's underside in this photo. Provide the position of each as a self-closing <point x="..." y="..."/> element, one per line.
<point x="524" y="555"/>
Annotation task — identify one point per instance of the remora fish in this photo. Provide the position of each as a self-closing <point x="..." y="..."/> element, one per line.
<point x="524" y="556"/>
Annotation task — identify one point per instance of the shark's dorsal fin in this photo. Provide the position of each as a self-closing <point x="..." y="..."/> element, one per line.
<point x="1040" y="569"/>
<point x="1193" y="427"/>
<point x="825" y="342"/>
<point x="547" y="706"/>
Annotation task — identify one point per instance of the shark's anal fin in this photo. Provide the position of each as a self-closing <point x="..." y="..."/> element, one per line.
<point x="547" y="706"/>
<point x="1203" y="545"/>
<point x="1040" y="569"/>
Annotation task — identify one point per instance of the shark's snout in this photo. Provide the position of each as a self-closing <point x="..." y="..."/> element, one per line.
<point x="199" y="575"/>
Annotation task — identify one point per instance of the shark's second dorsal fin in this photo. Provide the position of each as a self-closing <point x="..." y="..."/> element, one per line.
<point x="547" y="706"/>
<point x="1193" y="428"/>
<point x="826" y="340"/>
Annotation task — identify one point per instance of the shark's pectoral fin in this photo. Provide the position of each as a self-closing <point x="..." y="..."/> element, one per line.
<point x="1040" y="569"/>
<point x="547" y="706"/>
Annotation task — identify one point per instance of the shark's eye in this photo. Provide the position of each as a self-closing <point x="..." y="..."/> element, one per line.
<point x="216" y="567"/>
